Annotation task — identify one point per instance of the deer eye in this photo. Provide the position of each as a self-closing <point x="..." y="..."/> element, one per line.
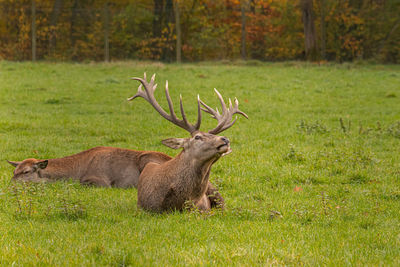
<point x="197" y="137"/>
<point x="25" y="172"/>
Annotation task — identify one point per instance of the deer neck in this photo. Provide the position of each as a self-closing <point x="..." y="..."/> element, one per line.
<point x="60" y="168"/>
<point x="193" y="174"/>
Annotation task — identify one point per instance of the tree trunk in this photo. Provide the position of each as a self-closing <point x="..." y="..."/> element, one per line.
<point x="243" y="36"/>
<point x="33" y="30"/>
<point x="178" y="33"/>
<point x="387" y="37"/>
<point x="163" y="16"/>
<point x="53" y="24"/>
<point x="106" y="33"/>
<point x="157" y="17"/>
<point x="74" y="16"/>
<point x="323" y="31"/>
<point x="169" y="17"/>
<point x="310" y="40"/>
<point x="252" y="6"/>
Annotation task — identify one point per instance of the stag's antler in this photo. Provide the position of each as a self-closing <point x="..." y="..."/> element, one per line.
<point x="224" y="119"/>
<point x="148" y="94"/>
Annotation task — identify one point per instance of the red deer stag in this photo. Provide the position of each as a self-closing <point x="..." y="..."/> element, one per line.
<point x="169" y="185"/>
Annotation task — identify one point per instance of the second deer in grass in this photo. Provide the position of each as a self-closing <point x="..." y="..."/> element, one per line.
<point x="169" y="185"/>
<point x="164" y="183"/>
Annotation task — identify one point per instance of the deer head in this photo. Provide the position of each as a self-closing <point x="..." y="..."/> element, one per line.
<point x="201" y="146"/>
<point x="28" y="170"/>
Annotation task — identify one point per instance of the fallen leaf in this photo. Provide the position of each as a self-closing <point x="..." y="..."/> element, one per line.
<point x="297" y="189"/>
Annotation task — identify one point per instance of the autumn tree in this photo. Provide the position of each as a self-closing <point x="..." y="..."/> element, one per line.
<point x="178" y="32"/>
<point x="55" y="14"/>
<point x="310" y="37"/>
<point x="195" y="30"/>
<point x="163" y="17"/>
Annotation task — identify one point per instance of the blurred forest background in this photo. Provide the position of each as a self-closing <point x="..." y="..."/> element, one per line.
<point x="197" y="30"/>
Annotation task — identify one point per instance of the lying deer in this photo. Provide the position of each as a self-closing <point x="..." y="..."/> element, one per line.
<point x="99" y="166"/>
<point x="170" y="184"/>
<point x="165" y="183"/>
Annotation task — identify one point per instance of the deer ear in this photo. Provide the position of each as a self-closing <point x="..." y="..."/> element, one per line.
<point x="14" y="163"/>
<point x="42" y="164"/>
<point x="174" y="143"/>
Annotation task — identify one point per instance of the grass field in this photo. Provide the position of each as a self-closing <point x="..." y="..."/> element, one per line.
<point x="314" y="177"/>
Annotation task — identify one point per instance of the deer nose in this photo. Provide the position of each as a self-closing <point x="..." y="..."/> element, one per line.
<point x="226" y="140"/>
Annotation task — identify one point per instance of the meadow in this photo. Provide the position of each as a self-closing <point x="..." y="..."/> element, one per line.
<point x="313" y="179"/>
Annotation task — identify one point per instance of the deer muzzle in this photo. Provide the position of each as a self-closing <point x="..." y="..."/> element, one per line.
<point x="224" y="146"/>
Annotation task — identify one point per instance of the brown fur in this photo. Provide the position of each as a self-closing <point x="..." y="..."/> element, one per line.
<point x="99" y="166"/>
<point x="169" y="185"/>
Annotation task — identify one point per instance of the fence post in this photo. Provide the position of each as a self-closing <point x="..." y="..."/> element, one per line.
<point x="33" y="29"/>
<point x="323" y="31"/>
<point x="106" y="33"/>
<point x="178" y="33"/>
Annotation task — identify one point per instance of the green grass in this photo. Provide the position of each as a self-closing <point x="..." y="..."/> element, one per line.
<point x="314" y="177"/>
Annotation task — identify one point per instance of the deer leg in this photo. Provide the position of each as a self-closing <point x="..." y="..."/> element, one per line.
<point x="95" y="181"/>
<point x="215" y="198"/>
<point x="203" y="204"/>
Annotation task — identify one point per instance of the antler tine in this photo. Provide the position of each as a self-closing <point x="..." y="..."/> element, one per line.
<point x="148" y="94"/>
<point x="170" y="105"/>
<point x="226" y="126"/>
<point x="237" y="111"/>
<point x="140" y="92"/>
<point x="224" y="119"/>
<point x="224" y="109"/>
<point x="210" y="110"/>
<point x="195" y="127"/>
<point x="198" y="123"/>
<point x="182" y="111"/>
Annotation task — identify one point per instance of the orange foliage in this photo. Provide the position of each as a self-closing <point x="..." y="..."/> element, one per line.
<point x="211" y="30"/>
